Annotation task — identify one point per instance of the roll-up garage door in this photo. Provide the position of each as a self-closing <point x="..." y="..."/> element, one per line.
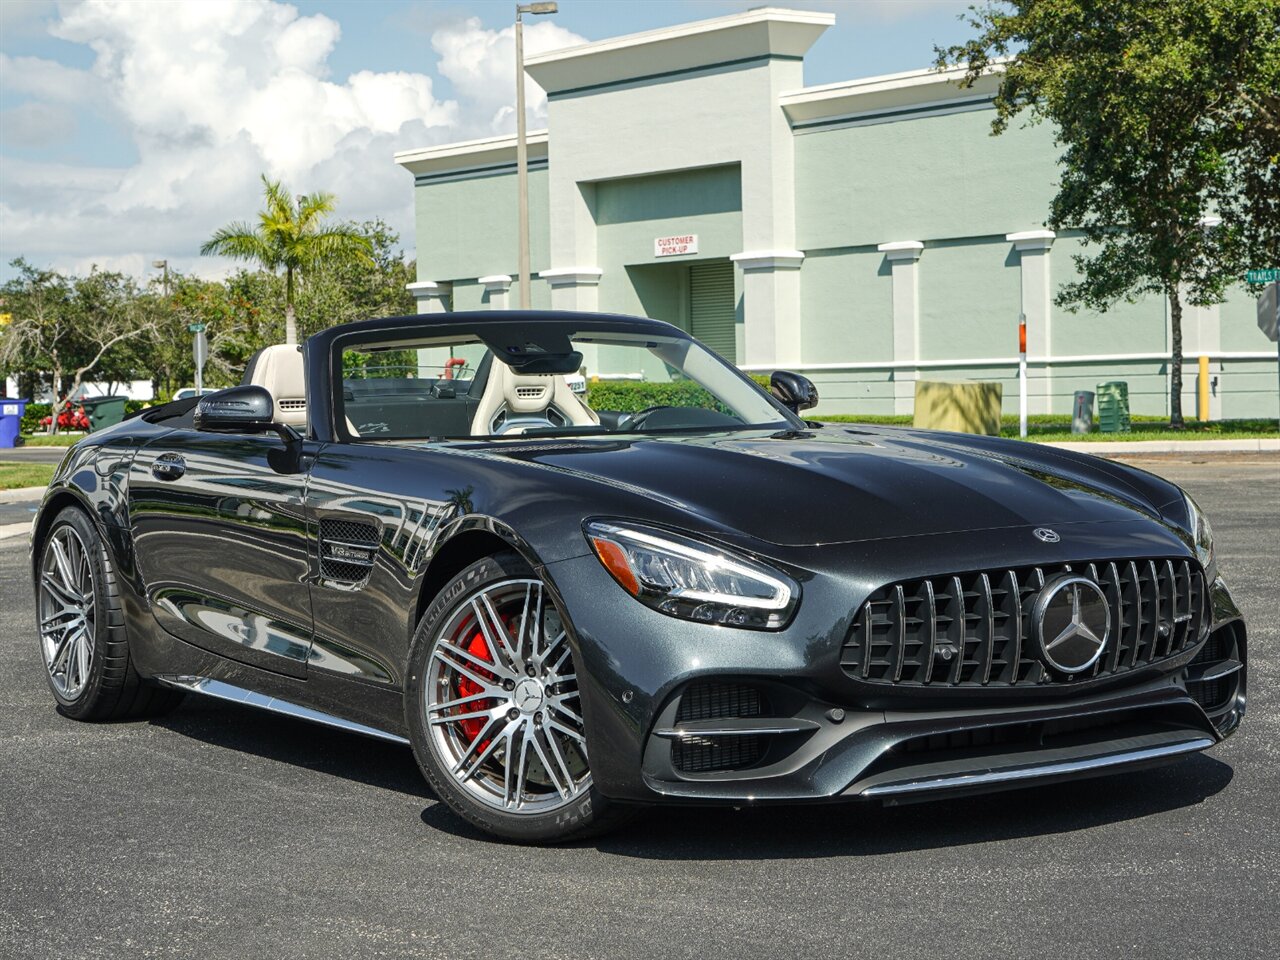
<point x="711" y="306"/>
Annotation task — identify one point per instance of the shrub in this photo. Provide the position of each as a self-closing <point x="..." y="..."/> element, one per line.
<point x="632" y="396"/>
<point x="32" y="416"/>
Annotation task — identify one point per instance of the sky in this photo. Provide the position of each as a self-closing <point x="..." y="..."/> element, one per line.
<point x="130" y="130"/>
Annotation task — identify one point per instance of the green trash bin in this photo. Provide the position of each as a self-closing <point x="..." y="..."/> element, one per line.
<point x="1113" y="407"/>
<point x="103" y="411"/>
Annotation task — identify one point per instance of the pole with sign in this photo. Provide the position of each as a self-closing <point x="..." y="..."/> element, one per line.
<point x="199" y="353"/>
<point x="1022" y="375"/>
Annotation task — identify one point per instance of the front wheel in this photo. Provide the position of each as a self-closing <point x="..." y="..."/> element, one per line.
<point x="493" y="709"/>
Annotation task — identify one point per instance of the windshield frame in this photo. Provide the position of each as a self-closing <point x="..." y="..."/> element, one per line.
<point x="593" y="327"/>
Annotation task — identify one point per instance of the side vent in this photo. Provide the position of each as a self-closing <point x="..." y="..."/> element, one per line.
<point x="347" y="550"/>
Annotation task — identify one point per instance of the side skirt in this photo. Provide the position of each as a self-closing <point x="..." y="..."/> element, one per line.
<point x="225" y="691"/>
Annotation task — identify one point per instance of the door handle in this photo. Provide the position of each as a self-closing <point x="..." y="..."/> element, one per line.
<point x="168" y="466"/>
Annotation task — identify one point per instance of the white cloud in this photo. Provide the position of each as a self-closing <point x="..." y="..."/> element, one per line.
<point x="481" y="65"/>
<point x="212" y="94"/>
<point x="34" y="124"/>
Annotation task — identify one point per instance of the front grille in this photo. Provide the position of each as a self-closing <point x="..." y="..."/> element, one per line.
<point x="347" y="549"/>
<point x="975" y="629"/>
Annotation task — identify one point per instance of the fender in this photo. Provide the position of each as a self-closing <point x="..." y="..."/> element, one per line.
<point x="431" y="577"/>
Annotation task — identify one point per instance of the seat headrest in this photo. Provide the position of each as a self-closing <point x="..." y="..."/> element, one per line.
<point x="279" y="370"/>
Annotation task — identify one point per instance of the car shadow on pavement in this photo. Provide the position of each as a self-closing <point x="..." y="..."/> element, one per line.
<point x="299" y="743"/>
<point x="868" y="829"/>
<point x="727" y="833"/>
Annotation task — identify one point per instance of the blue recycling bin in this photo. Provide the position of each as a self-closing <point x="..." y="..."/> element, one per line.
<point x="11" y="412"/>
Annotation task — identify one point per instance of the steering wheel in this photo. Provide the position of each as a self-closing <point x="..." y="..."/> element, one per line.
<point x="635" y="421"/>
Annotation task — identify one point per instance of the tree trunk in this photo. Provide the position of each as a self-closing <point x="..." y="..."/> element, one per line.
<point x="1175" y="378"/>
<point x="290" y="323"/>
<point x="55" y="408"/>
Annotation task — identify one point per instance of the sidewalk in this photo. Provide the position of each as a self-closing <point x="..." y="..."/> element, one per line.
<point x="22" y="494"/>
<point x="1140" y="447"/>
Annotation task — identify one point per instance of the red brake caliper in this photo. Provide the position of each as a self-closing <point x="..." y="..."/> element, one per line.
<point x="467" y="687"/>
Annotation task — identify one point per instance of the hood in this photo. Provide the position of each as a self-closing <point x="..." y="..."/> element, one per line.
<point x="838" y="485"/>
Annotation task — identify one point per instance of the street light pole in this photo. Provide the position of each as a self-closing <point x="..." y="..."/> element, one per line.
<point x="522" y="147"/>
<point x="163" y="265"/>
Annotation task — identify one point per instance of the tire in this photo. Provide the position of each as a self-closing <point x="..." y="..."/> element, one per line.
<point x="520" y="702"/>
<point x="80" y="625"/>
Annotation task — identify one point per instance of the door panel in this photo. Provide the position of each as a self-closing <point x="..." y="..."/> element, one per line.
<point x="223" y="545"/>
<point x="375" y="516"/>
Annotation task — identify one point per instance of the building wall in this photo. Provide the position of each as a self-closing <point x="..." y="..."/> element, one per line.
<point x="702" y="153"/>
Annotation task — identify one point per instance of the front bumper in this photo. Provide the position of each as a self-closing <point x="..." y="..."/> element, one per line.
<point x="814" y="733"/>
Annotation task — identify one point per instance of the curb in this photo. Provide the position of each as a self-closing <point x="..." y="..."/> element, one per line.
<point x="1169" y="446"/>
<point x="8" y="530"/>
<point x="22" y="494"/>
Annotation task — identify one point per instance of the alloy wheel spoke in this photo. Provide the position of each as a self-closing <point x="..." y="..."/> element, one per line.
<point x="460" y="717"/>
<point x="495" y="632"/>
<point x="557" y="704"/>
<point x="554" y="747"/>
<point x="465" y="772"/>
<point x="485" y="684"/>
<point x="550" y="646"/>
<point x="478" y="739"/>
<point x="520" y="768"/>
<point x="460" y="701"/>
<point x="480" y="664"/>
<point x="58" y="660"/>
<point x="546" y="766"/>
<point x="63" y="564"/>
<point x="58" y="592"/>
<point x="569" y="732"/>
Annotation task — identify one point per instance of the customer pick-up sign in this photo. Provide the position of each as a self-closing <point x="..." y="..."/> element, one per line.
<point x="677" y="246"/>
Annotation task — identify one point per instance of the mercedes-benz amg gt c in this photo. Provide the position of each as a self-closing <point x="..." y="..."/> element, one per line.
<point x="459" y="532"/>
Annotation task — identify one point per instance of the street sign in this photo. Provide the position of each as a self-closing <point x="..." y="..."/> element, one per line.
<point x="1270" y="275"/>
<point x="195" y="328"/>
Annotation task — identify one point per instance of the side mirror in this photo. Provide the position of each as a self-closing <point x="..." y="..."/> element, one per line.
<point x="793" y="391"/>
<point x="244" y="409"/>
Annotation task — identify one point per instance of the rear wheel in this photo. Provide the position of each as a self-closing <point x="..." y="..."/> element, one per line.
<point x="83" y="640"/>
<point x="494" y="712"/>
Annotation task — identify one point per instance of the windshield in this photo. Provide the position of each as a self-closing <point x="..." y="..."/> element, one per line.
<point x="603" y="383"/>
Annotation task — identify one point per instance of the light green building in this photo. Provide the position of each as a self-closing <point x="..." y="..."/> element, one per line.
<point x="867" y="233"/>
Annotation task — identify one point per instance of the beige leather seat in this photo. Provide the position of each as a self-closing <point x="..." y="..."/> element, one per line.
<point x="279" y="370"/>
<point x="513" y="402"/>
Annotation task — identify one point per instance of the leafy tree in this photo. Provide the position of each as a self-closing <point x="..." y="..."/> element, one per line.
<point x="343" y="289"/>
<point x="69" y="327"/>
<point x="1169" y="115"/>
<point x="291" y="236"/>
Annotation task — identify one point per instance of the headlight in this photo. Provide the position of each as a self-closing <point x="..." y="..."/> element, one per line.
<point x="1202" y="534"/>
<point x="692" y="580"/>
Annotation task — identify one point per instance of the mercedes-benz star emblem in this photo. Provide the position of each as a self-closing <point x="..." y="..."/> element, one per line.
<point x="1072" y="622"/>
<point x="1047" y="535"/>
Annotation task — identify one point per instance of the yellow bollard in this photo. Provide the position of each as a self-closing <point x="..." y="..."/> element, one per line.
<point x="1202" y="405"/>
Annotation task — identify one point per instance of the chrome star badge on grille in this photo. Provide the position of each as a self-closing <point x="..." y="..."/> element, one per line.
<point x="1072" y="622"/>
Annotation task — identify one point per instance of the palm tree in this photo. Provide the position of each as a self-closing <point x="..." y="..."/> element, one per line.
<point x="290" y="235"/>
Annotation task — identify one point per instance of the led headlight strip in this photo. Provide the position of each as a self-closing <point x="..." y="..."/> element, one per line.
<point x="685" y="578"/>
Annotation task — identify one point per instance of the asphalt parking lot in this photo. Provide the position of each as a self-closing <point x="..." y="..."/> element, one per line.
<point x="223" y="832"/>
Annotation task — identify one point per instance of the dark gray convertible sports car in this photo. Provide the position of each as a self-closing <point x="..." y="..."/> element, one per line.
<point x="438" y="531"/>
